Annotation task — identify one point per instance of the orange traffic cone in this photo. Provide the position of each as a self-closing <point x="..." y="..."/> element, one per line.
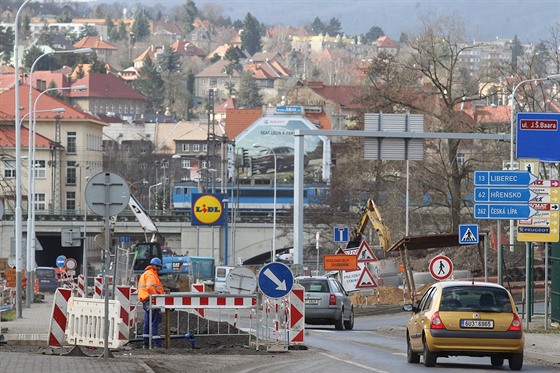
<point x="36" y="286"/>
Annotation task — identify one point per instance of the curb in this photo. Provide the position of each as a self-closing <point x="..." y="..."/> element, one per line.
<point x="543" y="357"/>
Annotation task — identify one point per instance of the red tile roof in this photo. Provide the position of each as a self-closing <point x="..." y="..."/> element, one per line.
<point x="185" y="48"/>
<point x="343" y="95"/>
<point x="107" y="86"/>
<point x="321" y="120"/>
<point x="486" y="113"/>
<point x="227" y="104"/>
<point x="385" y="42"/>
<point x="239" y="119"/>
<point x="94" y="42"/>
<point x="8" y="138"/>
<point x="46" y="102"/>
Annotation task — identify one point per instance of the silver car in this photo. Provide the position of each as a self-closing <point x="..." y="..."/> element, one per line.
<point x="327" y="303"/>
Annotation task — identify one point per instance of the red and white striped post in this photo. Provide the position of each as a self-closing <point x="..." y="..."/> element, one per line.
<point x="58" y="321"/>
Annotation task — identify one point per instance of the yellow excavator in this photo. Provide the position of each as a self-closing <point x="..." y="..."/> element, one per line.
<point x="371" y="214"/>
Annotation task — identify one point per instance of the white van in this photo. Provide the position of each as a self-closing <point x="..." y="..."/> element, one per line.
<point x="220" y="278"/>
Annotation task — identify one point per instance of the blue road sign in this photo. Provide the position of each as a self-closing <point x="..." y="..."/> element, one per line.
<point x="503" y="178"/>
<point x="505" y="212"/>
<point x="276" y="280"/>
<point x="468" y="234"/>
<point x="538" y="136"/>
<point x="504" y="195"/>
<point x="341" y="234"/>
<point x="60" y="261"/>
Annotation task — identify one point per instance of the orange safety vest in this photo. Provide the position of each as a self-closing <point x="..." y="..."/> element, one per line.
<point x="149" y="283"/>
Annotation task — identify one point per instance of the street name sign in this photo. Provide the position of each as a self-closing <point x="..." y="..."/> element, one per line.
<point x="538" y="136"/>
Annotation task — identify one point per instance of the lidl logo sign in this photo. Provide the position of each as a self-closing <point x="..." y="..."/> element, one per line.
<point x="207" y="209"/>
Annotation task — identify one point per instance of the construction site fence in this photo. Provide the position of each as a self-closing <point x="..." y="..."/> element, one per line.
<point x="263" y="320"/>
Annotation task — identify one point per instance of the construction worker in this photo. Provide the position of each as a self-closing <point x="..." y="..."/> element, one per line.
<point x="149" y="283"/>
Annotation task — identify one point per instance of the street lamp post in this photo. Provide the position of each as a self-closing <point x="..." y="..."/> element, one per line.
<point x="150" y="195"/>
<point x="274" y="202"/>
<point x="31" y="186"/>
<point x="18" y="218"/>
<point x="512" y="138"/>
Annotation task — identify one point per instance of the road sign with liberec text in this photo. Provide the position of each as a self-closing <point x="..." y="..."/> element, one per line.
<point x="503" y="178"/>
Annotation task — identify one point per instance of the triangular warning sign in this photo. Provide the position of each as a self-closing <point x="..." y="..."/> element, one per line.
<point x="365" y="253"/>
<point x="366" y="280"/>
<point x="295" y="315"/>
<point x="298" y="338"/>
<point x="468" y="236"/>
<point x="340" y="251"/>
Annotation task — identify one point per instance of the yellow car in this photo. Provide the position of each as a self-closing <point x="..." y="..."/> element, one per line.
<point x="463" y="318"/>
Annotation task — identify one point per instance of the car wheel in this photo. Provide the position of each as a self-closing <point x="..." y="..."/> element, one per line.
<point x="411" y="356"/>
<point x="497" y="361"/>
<point x="349" y="324"/>
<point x="429" y="357"/>
<point x="339" y="324"/>
<point x="515" y="362"/>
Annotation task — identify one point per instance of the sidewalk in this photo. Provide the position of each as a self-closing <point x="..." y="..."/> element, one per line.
<point x="33" y="330"/>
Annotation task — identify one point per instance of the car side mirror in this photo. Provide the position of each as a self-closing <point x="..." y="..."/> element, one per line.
<point x="409" y="308"/>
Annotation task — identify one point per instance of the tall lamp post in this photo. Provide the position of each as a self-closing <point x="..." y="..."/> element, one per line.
<point x="31" y="187"/>
<point x="274" y="202"/>
<point x="512" y="138"/>
<point x="18" y="218"/>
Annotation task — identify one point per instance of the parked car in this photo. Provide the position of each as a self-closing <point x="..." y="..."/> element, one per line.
<point x="47" y="278"/>
<point x="326" y="302"/>
<point x="465" y="318"/>
<point x="264" y="160"/>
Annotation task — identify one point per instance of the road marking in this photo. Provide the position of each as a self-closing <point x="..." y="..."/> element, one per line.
<point x="355" y="364"/>
<point x="399" y="353"/>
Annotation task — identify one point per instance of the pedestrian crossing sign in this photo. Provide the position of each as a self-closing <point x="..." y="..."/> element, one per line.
<point x="468" y="234"/>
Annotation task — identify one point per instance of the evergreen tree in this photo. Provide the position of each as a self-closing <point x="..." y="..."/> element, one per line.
<point x="191" y="12"/>
<point x="170" y="60"/>
<point x="232" y="57"/>
<point x="151" y="85"/>
<point x="374" y="33"/>
<point x="45" y="63"/>
<point x="141" y="26"/>
<point x="122" y="31"/>
<point x="88" y="30"/>
<point x="516" y="51"/>
<point x="6" y="43"/>
<point x="251" y="35"/>
<point x="248" y="95"/>
<point x="80" y="72"/>
<point x="334" y="27"/>
<point x="97" y="66"/>
<point x="540" y="58"/>
<point x="317" y="26"/>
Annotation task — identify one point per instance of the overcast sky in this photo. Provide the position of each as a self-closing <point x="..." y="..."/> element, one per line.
<point x="485" y="19"/>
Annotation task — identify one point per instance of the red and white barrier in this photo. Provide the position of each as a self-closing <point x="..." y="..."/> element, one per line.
<point x="123" y="296"/>
<point x="58" y="322"/>
<point x="188" y="301"/>
<point x="199" y="288"/>
<point x="98" y="288"/>
<point x="297" y="314"/>
<point x="81" y="289"/>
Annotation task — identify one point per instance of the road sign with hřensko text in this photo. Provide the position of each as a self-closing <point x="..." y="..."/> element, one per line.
<point x="503" y="178"/>
<point x="505" y="212"/>
<point x="538" y="136"/>
<point x="505" y="195"/>
<point x="468" y="234"/>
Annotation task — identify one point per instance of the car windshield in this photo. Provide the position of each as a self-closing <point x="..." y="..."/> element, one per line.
<point x="315" y="286"/>
<point x="475" y="299"/>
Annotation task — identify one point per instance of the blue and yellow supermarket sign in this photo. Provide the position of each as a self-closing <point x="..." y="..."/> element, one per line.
<point x="207" y="209"/>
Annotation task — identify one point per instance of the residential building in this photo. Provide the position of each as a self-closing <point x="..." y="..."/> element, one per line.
<point x="105" y="51"/>
<point x="68" y="146"/>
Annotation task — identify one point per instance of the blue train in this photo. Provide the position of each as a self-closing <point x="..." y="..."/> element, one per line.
<point x="253" y="197"/>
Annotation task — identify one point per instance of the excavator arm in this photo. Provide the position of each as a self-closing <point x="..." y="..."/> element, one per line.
<point x="371" y="214"/>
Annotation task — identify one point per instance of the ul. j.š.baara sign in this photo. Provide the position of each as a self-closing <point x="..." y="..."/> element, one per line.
<point x="207" y="209"/>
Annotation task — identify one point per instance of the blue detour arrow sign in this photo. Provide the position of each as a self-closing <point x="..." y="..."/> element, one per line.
<point x="276" y="280"/>
<point x="505" y="212"/>
<point x="503" y="178"/>
<point x="504" y="195"/>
